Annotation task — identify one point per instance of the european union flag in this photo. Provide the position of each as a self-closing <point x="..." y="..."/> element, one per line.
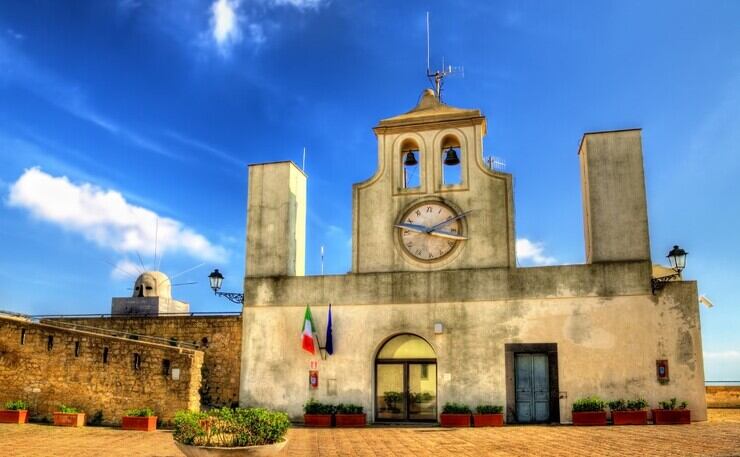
<point x="329" y="341"/>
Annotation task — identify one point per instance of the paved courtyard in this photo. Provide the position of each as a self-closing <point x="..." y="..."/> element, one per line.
<point x="720" y="436"/>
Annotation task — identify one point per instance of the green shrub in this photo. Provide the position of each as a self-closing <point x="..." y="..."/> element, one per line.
<point x="349" y="409"/>
<point x="314" y="407"/>
<point x="456" y="408"/>
<point x="628" y="405"/>
<point x="68" y="409"/>
<point x="672" y="404"/>
<point x="226" y="427"/>
<point x="140" y="412"/>
<point x="16" y="405"/>
<point x="637" y="404"/>
<point x="489" y="409"/>
<point x="586" y="404"/>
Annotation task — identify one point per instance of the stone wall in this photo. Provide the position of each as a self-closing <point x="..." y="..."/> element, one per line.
<point x="723" y="396"/>
<point x="48" y="366"/>
<point x="219" y="337"/>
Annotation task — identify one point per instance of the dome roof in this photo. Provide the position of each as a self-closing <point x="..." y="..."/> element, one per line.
<point x="153" y="284"/>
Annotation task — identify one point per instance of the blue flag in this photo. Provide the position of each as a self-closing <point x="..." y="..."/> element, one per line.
<point x="329" y="341"/>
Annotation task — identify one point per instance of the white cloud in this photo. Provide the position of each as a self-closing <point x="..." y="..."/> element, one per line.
<point x="104" y="217"/>
<point x="300" y="4"/>
<point x="723" y="355"/>
<point x="225" y="27"/>
<point x="530" y="252"/>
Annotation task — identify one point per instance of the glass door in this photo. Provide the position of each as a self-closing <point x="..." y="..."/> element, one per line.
<point x="390" y="391"/>
<point x="422" y="391"/>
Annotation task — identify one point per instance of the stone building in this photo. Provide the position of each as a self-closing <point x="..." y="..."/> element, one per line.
<point x="436" y="309"/>
<point x="148" y="352"/>
<point x="48" y="364"/>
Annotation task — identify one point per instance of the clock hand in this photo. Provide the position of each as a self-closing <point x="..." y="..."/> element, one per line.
<point x="461" y="215"/>
<point x="413" y="227"/>
<point x="446" y="234"/>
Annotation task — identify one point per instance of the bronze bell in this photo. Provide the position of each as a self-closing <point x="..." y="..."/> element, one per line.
<point x="410" y="160"/>
<point x="451" y="157"/>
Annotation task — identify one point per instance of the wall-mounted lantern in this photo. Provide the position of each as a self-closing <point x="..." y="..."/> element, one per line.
<point x="216" y="279"/>
<point x="677" y="259"/>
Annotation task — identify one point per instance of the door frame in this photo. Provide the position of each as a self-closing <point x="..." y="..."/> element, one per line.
<point x="551" y="350"/>
<point x="405" y="363"/>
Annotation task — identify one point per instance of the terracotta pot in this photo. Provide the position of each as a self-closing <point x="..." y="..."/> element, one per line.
<point x="317" y="420"/>
<point x="629" y="417"/>
<point x="589" y="418"/>
<point x="671" y="416"/>
<point x="204" y="451"/>
<point x="454" y="420"/>
<point x="488" y="420"/>
<point x="69" y="419"/>
<point x="142" y="424"/>
<point x="13" y="416"/>
<point x="350" y="420"/>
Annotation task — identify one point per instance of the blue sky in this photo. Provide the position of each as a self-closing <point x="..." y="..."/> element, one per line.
<point x="116" y="117"/>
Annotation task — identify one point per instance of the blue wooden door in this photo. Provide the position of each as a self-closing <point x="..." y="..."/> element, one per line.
<point x="532" y="388"/>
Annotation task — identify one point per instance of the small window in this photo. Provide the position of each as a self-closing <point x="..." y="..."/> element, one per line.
<point x="49" y="343"/>
<point x="410" y="165"/>
<point x="204" y="342"/>
<point x="137" y="361"/>
<point x="77" y="348"/>
<point x="105" y="355"/>
<point x="173" y="341"/>
<point x="165" y="367"/>
<point x="23" y="336"/>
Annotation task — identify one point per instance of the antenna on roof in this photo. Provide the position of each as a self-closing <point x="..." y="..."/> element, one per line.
<point x="437" y="77"/>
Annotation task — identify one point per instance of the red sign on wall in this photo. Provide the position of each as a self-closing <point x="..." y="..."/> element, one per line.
<point x="313" y="379"/>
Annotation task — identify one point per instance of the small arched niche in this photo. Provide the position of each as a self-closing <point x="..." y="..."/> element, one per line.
<point x="451" y="158"/>
<point x="410" y="165"/>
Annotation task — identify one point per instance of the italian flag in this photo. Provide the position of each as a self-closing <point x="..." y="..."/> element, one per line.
<point x="308" y="329"/>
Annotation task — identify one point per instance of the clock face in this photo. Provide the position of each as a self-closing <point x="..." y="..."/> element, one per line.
<point x="424" y="233"/>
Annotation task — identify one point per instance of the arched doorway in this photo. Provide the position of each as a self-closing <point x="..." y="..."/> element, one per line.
<point x="406" y="381"/>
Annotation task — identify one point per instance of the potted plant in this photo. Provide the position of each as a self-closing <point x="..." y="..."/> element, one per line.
<point x="15" y="412"/>
<point x="455" y="415"/>
<point x="140" y="419"/>
<point x="630" y="412"/>
<point x="226" y="431"/>
<point x="317" y="414"/>
<point x="69" y="417"/>
<point x="488" y="416"/>
<point x="589" y="411"/>
<point x="671" y="412"/>
<point x="350" y="416"/>
<point x="391" y="399"/>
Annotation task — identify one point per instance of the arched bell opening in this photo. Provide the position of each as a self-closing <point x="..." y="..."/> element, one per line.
<point x="451" y="157"/>
<point x="406" y="380"/>
<point x="410" y="165"/>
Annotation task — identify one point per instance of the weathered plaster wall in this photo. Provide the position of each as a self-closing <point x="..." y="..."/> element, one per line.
<point x="614" y="204"/>
<point x="607" y="345"/>
<point x="219" y="337"/>
<point x="276" y="220"/>
<point x="48" y="378"/>
<point x="379" y="202"/>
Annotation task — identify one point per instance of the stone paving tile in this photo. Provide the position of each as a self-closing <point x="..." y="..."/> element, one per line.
<point x="720" y="436"/>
